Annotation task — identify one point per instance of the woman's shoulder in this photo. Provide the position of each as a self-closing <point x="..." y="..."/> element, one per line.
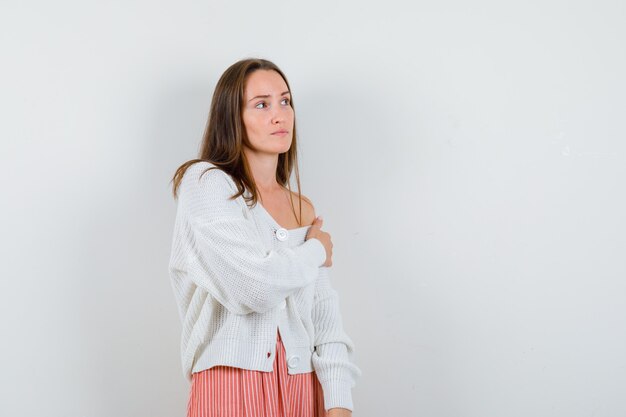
<point x="308" y="209"/>
<point x="202" y="168"/>
<point x="204" y="174"/>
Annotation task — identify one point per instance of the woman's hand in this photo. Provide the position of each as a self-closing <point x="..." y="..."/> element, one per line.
<point x="339" y="412"/>
<point x="316" y="232"/>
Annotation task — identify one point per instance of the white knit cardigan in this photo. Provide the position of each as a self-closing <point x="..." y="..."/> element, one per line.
<point x="237" y="276"/>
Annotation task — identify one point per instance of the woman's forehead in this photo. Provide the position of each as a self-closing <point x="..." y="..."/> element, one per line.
<point x="265" y="82"/>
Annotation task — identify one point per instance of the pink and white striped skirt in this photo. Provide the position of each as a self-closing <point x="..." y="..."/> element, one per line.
<point x="233" y="392"/>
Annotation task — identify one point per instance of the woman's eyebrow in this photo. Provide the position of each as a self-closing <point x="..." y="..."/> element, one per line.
<point x="267" y="95"/>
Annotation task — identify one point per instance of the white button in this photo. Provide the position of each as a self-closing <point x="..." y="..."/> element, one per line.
<point x="282" y="234"/>
<point x="283" y="305"/>
<point x="293" y="361"/>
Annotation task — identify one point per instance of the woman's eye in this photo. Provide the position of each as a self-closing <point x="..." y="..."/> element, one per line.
<point x="263" y="103"/>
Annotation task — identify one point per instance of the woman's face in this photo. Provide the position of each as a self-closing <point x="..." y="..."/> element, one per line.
<point x="267" y="109"/>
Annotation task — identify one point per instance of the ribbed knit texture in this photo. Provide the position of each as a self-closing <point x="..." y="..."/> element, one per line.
<point x="236" y="282"/>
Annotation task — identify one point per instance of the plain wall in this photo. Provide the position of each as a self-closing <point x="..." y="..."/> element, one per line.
<point x="468" y="159"/>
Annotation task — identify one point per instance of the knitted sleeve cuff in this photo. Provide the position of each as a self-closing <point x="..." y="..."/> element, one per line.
<point x="313" y="252"/>
<point x="337" y="393"/>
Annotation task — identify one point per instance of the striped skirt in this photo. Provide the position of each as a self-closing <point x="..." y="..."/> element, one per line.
<point x="233" y="392"/>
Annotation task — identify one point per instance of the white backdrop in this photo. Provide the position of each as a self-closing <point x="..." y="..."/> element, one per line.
<point x="469" y="160"/>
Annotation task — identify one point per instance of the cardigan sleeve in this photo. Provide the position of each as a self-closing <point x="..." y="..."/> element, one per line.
<point x="334" y="350"/>
<point x="226" y="255"/>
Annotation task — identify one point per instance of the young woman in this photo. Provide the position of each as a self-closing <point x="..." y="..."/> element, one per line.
<point x="262" y="332"/>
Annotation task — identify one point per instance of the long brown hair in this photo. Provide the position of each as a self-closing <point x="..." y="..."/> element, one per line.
<point x="225" y="134"/>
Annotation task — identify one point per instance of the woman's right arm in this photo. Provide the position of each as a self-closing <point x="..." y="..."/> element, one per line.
<point x="226" y="256"/>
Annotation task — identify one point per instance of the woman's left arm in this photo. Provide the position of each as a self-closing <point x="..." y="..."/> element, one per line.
<point x="332" y="358"/>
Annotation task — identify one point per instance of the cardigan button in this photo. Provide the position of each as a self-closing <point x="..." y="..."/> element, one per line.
<point x="293" y="361"/>
<point x="282" y="234"/>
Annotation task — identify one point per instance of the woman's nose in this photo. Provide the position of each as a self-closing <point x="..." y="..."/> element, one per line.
<point x="278" y="116"/>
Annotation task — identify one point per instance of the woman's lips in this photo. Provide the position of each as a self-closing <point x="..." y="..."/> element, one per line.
<point x="280" y="133"/>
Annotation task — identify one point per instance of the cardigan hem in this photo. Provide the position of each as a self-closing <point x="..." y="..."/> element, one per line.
<point x="250" y="355"/>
